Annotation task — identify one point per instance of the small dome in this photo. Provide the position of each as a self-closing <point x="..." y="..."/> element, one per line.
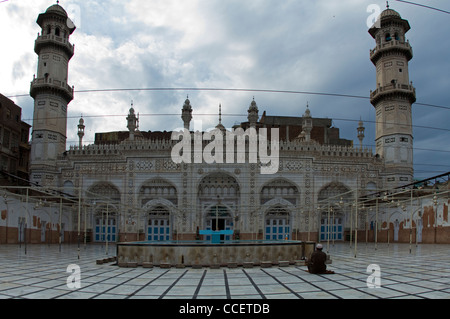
<point x="388" y="16"/>
<point x="307" y="113"/>
<point x="253" y="107"/>
<point x="56" y="8"/>
<point x="389" y="13"/>
<point x="187" y="105"/>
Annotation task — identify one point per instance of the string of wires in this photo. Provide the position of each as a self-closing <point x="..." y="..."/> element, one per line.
<point x="423" y="6"/>
<point x="233" y="90"/>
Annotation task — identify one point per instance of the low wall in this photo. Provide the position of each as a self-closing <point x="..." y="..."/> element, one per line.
<point x="206" y="254"/>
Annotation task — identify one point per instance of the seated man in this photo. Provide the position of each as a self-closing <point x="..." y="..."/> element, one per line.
<point x="316" y="264"/>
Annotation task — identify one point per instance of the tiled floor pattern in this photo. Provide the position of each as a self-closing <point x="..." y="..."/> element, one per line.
<point x="42" y="273"/>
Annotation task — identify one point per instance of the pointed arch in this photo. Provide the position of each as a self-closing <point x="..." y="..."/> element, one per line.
<point x="159" y="216"/>
<point x="280" y="188"/>
<point x="218" y="183"/>
<point x="103" y="191"/>
<point x="157" y="189"/>
<point x="334" y="191"/>
<point x="68" y="188"/>
<point x="219" y="201"/>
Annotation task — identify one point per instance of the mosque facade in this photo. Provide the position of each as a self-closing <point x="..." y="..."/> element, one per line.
<point x="286" y="178"/>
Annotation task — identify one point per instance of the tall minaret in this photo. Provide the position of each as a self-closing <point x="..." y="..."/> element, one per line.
<point x="360" y="131"/>
<point x="51" y="93"/>
<point x="253" y="114"/>
<point x="393" y="97"/>
<point x="186" y="113"/>
<point x="80" y="133"/>
<point x="307" y="124"/>
<point x="132" y="123"/>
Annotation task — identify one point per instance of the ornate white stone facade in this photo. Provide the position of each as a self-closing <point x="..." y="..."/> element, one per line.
<point x="134" y="190"/>
<point x="142" y="179"/>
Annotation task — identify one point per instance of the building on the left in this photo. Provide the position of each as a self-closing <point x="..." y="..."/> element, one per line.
<point x="32" y="215"/>
<point x="14" y="144"/>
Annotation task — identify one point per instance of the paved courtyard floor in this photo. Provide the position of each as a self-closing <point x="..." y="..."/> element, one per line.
<point x="42" y="273"/>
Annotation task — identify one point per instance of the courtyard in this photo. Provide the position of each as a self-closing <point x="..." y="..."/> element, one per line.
<point x="412" y="272"/>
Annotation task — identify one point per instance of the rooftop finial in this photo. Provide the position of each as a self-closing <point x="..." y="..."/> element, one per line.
<point x="220" y="113"/>
<point x="387" y="4"/>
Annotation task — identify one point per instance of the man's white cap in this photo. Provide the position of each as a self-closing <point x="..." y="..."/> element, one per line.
<point x="319" y="246"/>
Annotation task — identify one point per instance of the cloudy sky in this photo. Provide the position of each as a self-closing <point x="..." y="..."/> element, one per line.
<point x="283" y="45"/>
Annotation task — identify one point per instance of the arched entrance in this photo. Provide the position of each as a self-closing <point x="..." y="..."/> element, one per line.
<point x="278" y="197"/>
<point x="277" y="224"/>
<point x="104" y="197"/>
<point x="158" y="224"/>
<point x="331" y="227"/>
<point x="280" y="188"/>
<point x="333" y="200"/>
<point x="105" y="223"/>
<point x="156" y="189"/>
<point x="219" y="200"/>
<point x="158" y="198"/>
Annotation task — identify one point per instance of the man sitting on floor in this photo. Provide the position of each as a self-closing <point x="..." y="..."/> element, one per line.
<point x="316" y="264"/>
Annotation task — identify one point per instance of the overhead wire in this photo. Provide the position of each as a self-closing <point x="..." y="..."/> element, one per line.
<point x="423" y="6"/>
<point x="234" y="90"/>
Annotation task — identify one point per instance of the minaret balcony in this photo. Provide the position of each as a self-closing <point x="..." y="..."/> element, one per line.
<point x="50" y="39"/>
<point x="393" y="45"/>
<point x="405" y="90"/>
<point x="43" y="85"/>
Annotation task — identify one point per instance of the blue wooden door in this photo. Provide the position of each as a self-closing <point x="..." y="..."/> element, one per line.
<point x="105" y="230"/>
<point x="333" y="230"/>
<point x="158" y="229"/>
<point x="277" y="229"/>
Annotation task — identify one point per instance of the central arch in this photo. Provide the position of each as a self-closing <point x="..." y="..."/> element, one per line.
<point x="159" y="214"/>
<point x="280" y="188"/>
<point x="277" y="223"/>
<point x="157" y="188"/>
<point x="219" y="202"/>
<point x="158" y="199"/>
<point x="279" y="198"/>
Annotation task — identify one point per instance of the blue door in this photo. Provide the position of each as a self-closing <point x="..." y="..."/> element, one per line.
<point x="277" y="229"/>
<point x="105" y="229"/>
<point x="333" y="230"/>
<point x="158" y="229"/>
